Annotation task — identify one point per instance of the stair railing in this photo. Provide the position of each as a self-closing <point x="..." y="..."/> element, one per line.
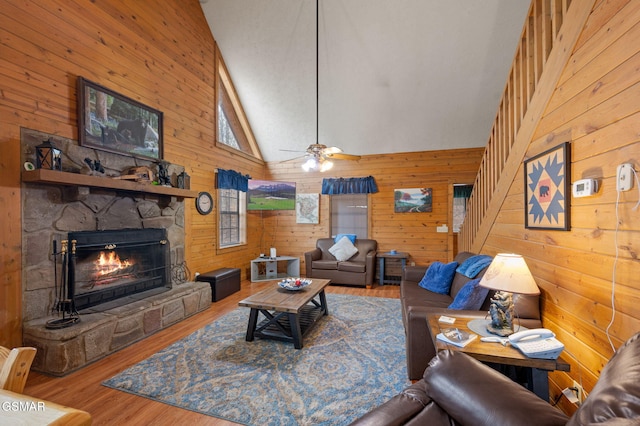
<point x="550" y="33"/>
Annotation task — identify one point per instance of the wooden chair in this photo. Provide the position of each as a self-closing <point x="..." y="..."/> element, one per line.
<point x="14" y="367"/>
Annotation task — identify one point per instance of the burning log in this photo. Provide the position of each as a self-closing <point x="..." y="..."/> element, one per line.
<point x="109" y="264"/>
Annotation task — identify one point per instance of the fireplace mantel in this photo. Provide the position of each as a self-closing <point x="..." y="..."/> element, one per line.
<point x="54" y="177"/>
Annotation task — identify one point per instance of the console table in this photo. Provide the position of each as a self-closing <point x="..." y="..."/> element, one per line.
<point x="266" y="268"/>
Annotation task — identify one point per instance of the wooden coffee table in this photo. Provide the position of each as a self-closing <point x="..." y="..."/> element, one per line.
<point x="289" y="315"/>
<point x="536" y="369"/>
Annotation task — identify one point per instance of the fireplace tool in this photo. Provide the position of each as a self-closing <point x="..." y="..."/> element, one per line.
<point x="64" y="304"/>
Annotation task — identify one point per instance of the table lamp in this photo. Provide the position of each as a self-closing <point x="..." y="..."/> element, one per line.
<point x="508" y="273"/>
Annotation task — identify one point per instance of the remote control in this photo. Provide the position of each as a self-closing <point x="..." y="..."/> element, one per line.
<point x="448" y="320"/>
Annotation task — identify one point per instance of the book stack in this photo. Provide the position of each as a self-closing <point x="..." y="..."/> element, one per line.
<point x="456" y="337"/>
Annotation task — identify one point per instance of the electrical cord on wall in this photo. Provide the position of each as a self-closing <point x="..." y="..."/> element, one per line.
<point x="262" y="232"/>
<point x="273" y="236"/>
<point x="615" y="261"/>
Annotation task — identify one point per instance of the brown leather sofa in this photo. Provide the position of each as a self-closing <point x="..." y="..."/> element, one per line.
<point x="360" y="269"/>
<point x="459" y="390"/>
<point x="418" y="302"/>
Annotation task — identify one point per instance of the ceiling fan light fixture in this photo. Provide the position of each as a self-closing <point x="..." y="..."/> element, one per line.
<point x="326" y="165"/>
<point x="310" y="164"/>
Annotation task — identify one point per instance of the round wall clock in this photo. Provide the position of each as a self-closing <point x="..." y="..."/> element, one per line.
<point x="204" y="203"/>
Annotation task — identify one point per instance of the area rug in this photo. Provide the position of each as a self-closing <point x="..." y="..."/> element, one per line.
<point x="351" y="362"/>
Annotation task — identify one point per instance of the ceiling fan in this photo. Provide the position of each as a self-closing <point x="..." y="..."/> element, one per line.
<point x="318" y="155"/>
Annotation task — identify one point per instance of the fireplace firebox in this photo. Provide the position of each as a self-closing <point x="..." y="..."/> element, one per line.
<point x="105" y="266"/>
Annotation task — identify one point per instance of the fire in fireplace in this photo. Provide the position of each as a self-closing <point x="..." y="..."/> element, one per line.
<point x="109" y="265"/>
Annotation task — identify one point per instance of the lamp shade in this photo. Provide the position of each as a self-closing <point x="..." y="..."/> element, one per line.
<point x="509" y="272"/>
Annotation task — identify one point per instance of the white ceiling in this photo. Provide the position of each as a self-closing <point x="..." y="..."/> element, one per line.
<point x="394" y="76"/>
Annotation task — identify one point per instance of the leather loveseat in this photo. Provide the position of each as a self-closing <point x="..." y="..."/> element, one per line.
<point x="459" y="390"/>
<point x="418" y="302"/>
<point x="360" y="269"/>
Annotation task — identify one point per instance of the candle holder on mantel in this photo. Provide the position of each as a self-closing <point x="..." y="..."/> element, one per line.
<point x="48" y="156"/>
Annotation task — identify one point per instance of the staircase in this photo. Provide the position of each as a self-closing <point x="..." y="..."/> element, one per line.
<point x="550" y="33"/>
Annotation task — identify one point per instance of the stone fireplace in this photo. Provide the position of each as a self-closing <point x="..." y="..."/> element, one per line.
<point x="122" y="308"/>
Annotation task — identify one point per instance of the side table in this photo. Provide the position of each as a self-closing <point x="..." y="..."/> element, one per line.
<point x="402" y="256"/>
<point x="536" y="369"/>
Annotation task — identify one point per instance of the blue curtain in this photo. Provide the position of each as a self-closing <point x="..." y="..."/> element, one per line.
<point x="363" y="185"/>
<point x="462" y="191"/>
<point x="229" y="179"/>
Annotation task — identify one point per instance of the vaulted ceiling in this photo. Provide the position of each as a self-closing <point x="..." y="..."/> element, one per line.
<point x="394" y="76"/>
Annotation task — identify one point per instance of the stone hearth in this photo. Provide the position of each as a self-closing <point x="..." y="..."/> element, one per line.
<point x="103" y="330"/>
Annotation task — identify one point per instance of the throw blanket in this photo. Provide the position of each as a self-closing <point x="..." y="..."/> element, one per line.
<point x="473" y="265"/>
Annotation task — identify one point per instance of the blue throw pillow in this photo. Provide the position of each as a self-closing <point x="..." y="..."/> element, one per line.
<point x="352" y="237"/>
<point x="438" y="277"/>
<point x="471" y="296"/>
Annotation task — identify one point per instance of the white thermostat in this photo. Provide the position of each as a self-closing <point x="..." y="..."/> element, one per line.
<point x="585" y="188"/>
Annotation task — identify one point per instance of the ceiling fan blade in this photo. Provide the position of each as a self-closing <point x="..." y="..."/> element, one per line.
<point x="341" y="156"/>
<point x="292" y="150"/>
<point x="297" y="157"/>
<point x="331" y="150"/>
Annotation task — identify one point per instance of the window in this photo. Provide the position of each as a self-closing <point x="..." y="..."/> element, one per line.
<point x="232" y="217"/>
<point x="234" y="130"/>
<point x="461" y="194"/>
<point x="225" y="132"/>
<point x="350" y="214"/>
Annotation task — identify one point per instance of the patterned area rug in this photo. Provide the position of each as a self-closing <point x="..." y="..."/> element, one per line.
<point x="353" y="360"/>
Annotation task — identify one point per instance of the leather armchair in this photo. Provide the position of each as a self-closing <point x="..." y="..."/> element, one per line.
<point x="360" y="269"/>
<point x="459" y="390"/>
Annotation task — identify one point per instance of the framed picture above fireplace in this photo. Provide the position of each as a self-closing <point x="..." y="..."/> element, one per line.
<point x="112" y="122"/>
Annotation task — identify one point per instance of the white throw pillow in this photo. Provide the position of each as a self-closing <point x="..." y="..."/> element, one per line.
<point x="343" y="249"/>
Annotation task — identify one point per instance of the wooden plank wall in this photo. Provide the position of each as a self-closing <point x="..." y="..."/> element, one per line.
<point x="414" y="233"/>
<point x="159" y="52"/>
<point x="595" y="106"/>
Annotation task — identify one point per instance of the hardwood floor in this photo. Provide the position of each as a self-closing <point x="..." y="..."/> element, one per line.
<point x="83" y="389"/>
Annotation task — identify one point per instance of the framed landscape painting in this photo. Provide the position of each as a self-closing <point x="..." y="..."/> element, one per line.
<point x="412" y="200"/>
<point x="547" y="188"/>
<point x="116" y="123"/>
<point x="271" y="195"/>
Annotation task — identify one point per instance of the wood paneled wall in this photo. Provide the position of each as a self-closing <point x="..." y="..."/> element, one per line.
<point x="159" y="52"/>
<point x="596" y="107"/>
<point x="414" y="233"/>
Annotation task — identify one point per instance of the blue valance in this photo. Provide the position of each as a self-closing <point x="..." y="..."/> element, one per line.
<point x="362" y="185"/>
<point x="230" y="179"/>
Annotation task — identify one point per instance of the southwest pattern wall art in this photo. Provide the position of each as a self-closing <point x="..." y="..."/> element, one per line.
<point x="547" y="189"/>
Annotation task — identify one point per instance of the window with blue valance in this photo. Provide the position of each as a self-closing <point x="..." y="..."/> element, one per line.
<point x="461" y="194"/>
<point x="362" y="185"/>
<point x="230" y="179"/>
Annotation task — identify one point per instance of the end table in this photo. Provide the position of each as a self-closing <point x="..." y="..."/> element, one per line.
<point x="403" y="256"/>
<point x="536" y="369"/>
